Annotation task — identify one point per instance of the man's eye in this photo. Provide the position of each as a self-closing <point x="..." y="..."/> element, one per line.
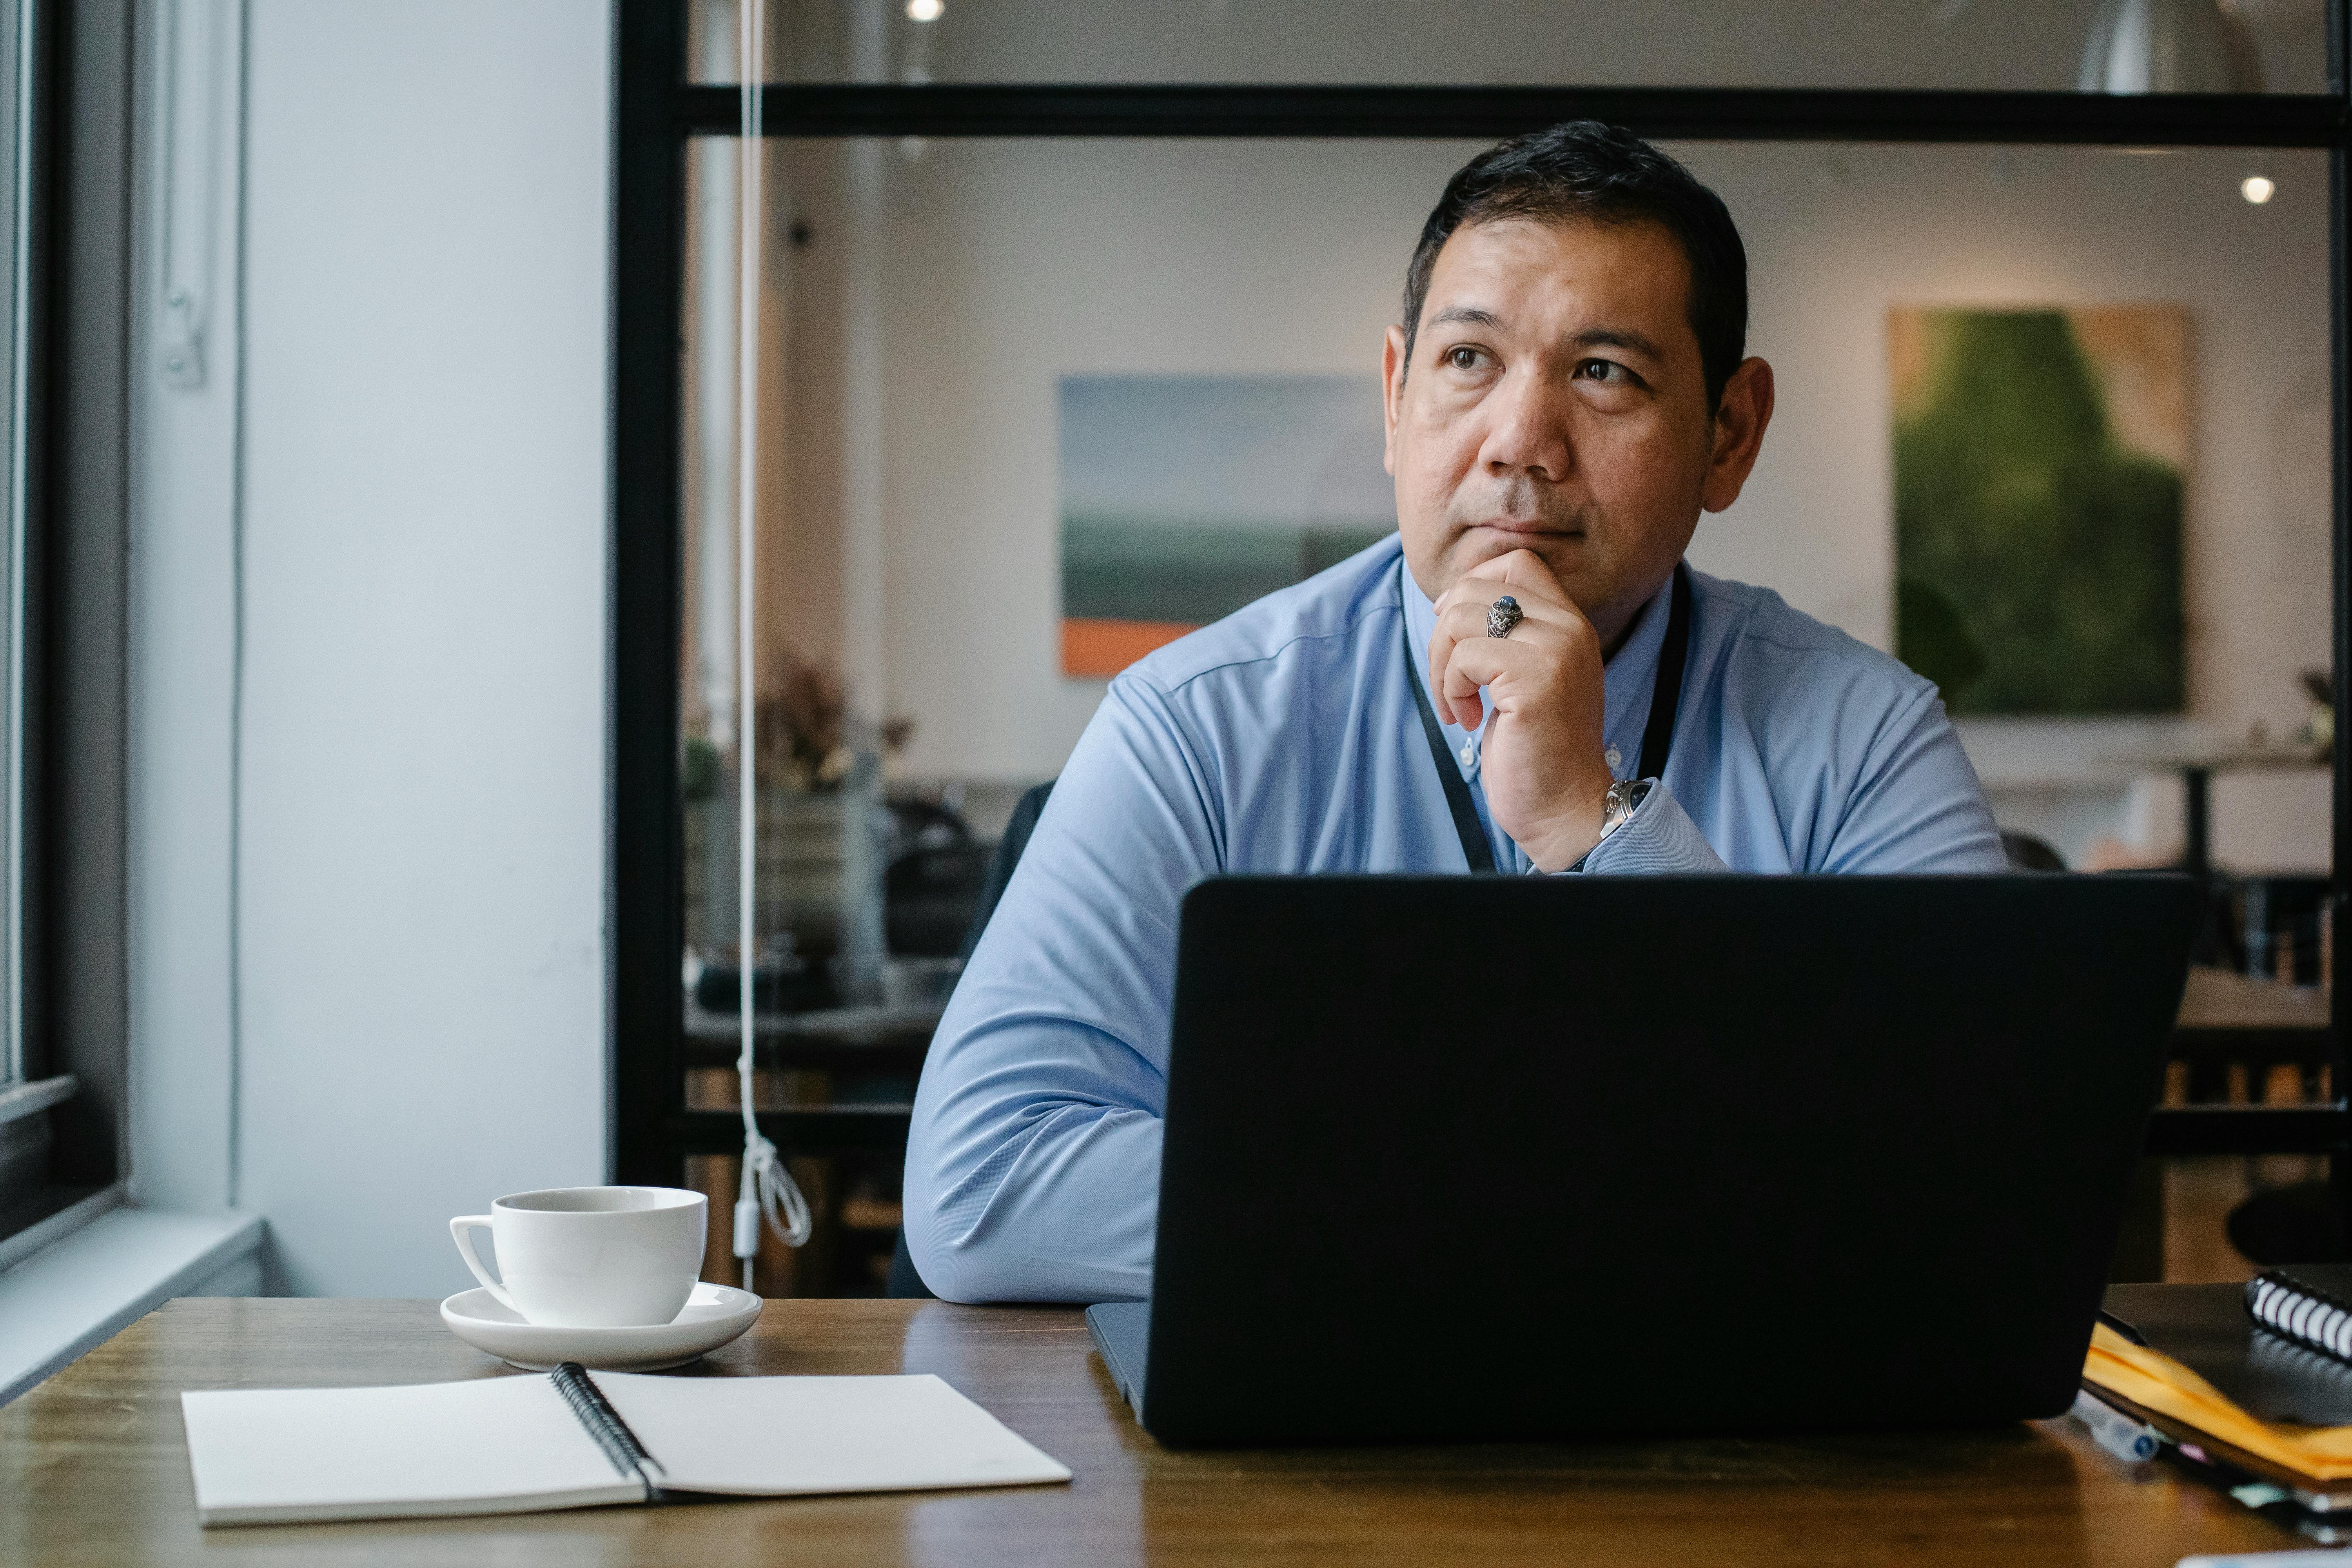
<point x="1603" y="370"/>
<point x="1463" y="358"/>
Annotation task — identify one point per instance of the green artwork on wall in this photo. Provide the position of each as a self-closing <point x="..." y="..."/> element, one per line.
<point x="2038" y="458"/>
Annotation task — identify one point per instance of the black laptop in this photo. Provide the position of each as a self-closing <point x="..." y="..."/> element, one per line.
<point x="1459" y="1158"/>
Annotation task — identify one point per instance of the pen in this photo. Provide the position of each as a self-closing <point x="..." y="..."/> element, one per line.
<point x="2122" y="1327"/>
<point x="2118" y="1434"/>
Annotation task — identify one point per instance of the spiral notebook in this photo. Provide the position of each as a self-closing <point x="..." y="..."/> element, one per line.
<point x="580" y="1439"/>
<point x="2309" y="1303"/>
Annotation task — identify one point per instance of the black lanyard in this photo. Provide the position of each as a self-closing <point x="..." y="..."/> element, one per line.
<point x="1666" y="699"/>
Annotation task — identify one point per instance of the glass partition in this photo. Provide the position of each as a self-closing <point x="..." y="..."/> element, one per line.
<point x="1030" y="407"/>
<point x="2275" y="46"/>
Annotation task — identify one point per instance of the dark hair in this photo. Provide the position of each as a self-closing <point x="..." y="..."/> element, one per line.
<point x="1605" y="173"/>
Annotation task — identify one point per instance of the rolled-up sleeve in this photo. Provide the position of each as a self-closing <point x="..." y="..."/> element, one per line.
<point x="1032" y="1164"/>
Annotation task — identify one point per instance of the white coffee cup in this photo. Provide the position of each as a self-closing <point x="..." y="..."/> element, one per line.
<point x="592" y="1257"/>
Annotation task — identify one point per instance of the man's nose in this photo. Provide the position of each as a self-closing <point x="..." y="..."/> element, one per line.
<point x="1526" y="432"/>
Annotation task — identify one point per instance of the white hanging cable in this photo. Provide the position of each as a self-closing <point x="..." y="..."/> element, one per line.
<point x="768" y="1188"/>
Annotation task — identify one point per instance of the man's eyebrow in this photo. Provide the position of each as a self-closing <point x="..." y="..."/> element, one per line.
<point x="1469" y="315"/>
<point x="1617" y="337"/>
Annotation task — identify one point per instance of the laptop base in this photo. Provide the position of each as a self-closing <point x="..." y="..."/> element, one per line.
<point x="1122" y="1331"/>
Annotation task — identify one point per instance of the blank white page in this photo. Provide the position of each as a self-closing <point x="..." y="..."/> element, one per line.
<point x="774" y="1436"/>
<point x="500" y="1445"/>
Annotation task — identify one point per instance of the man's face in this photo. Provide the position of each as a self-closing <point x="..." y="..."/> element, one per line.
<point x="1554" y="402"/>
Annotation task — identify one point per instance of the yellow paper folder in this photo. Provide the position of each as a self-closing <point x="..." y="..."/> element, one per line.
<point x="2187" y="1406"/>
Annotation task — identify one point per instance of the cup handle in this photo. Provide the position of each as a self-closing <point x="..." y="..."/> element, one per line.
<point x="461" y="1231"/>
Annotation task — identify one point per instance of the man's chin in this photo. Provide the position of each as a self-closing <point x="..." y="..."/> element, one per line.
<point x="1567" y="554"/>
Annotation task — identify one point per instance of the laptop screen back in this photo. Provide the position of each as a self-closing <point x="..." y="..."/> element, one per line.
<point x="1483" y="1158"/>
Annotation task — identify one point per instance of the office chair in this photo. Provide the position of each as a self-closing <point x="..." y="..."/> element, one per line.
<point x="2027" y="853"/>
<point x="905" y="1283"/>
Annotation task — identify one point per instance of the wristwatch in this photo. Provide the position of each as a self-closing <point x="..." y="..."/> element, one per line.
<point x="1616" y="810"/>
<point x="1617" y="806"/>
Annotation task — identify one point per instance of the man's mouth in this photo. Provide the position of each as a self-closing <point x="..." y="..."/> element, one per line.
<point x="1529" y="527"/>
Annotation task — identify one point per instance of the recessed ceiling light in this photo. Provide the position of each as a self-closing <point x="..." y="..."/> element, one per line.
<point x="925" y="10"/>
<point x="2257" y="189"/>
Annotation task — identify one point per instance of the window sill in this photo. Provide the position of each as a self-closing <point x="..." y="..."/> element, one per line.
<point x="31" y="1099"/>
<point x="76" y="1292"/>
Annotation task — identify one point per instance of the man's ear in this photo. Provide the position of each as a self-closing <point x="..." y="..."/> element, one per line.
<point x="1393" y="363"/>
<point x="1738" y="436"/>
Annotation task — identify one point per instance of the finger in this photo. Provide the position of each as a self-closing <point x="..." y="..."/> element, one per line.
<point x="1522" y="573"/>
<point x="1518" y="569"/>
<point x="1441" y="644"/>
<point x="1466" y="714"/>
<point x="1475" y="596"/>
<point x="1532" y="659"/>
<point x="1478" y="664"/>
<point x="1481" y="662"/>
<point x="1468" y="623"/>
<point x="1470" y="620"/>
<point x="1558" y="640"/>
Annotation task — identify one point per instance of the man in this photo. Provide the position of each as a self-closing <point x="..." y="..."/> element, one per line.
<point x="1566" y="393"/>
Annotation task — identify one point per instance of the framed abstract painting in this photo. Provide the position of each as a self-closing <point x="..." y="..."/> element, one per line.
<point x="1184" y="498"/>
<point x="2041" y="458"/>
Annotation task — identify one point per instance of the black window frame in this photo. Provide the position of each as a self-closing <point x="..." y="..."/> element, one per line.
<point x="72" y="975"/>
<point x="651" y="1132"/>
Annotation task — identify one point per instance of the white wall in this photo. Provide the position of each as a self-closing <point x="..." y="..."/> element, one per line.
<point x="420" y="888"/>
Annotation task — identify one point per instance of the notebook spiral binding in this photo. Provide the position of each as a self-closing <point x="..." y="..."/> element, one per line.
<point x="2306" y="1368"/>
<point x="2294" y="1310"/>
<point x="605" y="1423"/>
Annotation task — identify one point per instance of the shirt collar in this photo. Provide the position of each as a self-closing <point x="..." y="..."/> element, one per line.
<point x="1626" y="677"/>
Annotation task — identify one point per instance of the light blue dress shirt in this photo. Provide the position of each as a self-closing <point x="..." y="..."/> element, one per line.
<point x="1284" y="739"/>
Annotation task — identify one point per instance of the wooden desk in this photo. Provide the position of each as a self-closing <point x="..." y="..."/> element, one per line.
<point x="93" y="1470"/>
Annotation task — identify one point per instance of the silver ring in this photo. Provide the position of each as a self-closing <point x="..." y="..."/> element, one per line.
<point x="1502" y="616"/>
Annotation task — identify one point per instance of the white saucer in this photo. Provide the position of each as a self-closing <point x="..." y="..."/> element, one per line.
<point x="713" y="1315"/>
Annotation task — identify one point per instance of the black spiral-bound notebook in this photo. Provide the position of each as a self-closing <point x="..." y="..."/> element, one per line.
<point x="580" y="1439"/>
<point x="2308" y="1303"/>
<point x="2211" y="1330"/>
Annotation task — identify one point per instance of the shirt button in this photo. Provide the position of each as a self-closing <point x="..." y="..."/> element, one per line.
<point x="1613" y="756"/>
<point x="1469" y="752"/>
